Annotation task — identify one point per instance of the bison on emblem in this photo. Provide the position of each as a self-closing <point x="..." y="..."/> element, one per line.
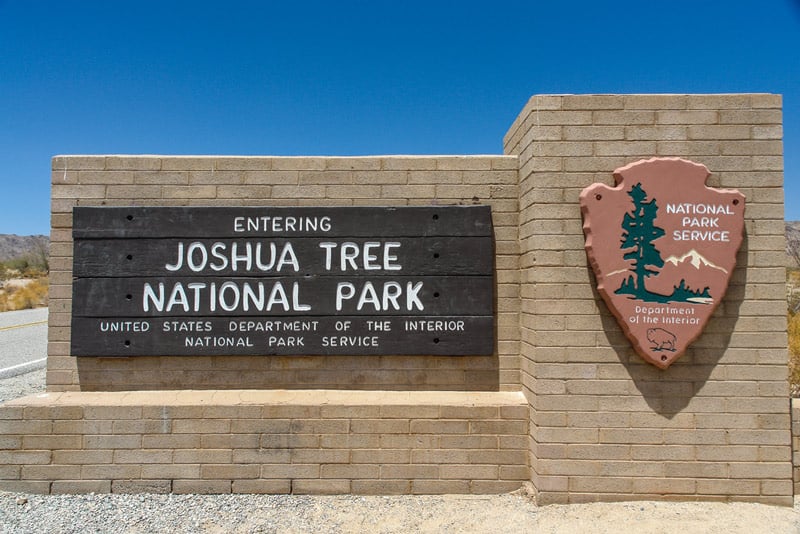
<point x="661" y="339"/>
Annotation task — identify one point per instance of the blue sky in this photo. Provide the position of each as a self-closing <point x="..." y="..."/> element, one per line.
<point x="353" y="77"/>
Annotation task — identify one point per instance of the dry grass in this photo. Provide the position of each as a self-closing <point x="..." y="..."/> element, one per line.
<point x="794" y="353"/>
<point x="32" y="294"/>
<point x="793" y="322"/>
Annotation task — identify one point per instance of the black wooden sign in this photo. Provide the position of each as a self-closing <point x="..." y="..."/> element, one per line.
<point x="260" y="281"/>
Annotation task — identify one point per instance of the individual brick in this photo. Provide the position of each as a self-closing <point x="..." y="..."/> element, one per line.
<point x="261" y="486"/>
<point x="655" y="102"/>
<point x="203" y="487"/>
<point x="328" y="486"/>
<point x="238" y="163"/>
<point x="438" y="487"/>
<point x="139" y="163"/>
<point x="141" y="486"/>
<point x="381" y="487"/>
<point x="79" y="162"/>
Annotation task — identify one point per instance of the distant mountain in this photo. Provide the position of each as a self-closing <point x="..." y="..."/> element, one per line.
<point x="13" y="246"/>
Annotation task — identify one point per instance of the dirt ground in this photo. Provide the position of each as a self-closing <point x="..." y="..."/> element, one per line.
<point x="519" y="514"/>
<point x="352" y="514"/>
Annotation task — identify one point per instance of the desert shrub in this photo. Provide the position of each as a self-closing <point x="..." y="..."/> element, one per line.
<point x="794" y="353"/>
<point x="29" y="265"/>
<point x="793" y="290"/>
<point x="31" y="295"/>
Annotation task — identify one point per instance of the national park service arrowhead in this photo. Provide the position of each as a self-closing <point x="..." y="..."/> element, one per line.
<point x="663" y="247"/>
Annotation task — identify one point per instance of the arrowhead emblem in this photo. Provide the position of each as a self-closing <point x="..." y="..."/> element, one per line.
<point x="663" y="247"/>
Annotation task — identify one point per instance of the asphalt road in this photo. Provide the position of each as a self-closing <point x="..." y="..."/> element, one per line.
<point x="23" y="341"/>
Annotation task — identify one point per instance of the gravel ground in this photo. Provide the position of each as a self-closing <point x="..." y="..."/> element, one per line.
<point x="21" y="385"/>
<point x="507" y="514"/>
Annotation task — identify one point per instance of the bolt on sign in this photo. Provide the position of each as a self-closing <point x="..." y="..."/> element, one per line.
<point x="288" y="281"/>
<point x="663" y="247"/>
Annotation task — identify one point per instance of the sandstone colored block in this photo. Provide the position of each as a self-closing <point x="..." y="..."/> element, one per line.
<point x="592" y="102"/>
<point x="229" y="471"/>
<point x="409" y="163"/>
<point x="188" y="163"/>
<point x="96" y="178"/>
<point x="490" y="487"/>
<point x="438" y="487"/>
<point x="469" y="472"/>
<point x="380" y="426"/>
<point x="380" y="456"/>
<point x="656" y="102"/>
<point x="766" y="101"/>
<point x="141" y="486"/>
<point x="325" y="177"/>
<point x="409" y="472"/>
<point x="711" y="131"/>
<point x="144" y="456"/>
<point x="235" y="163"/>
<point x="189" y="191"/>
<point x="50" y="472"/>
<point x="353" y="163"/>
<point x="203" y="487"/>
<point x="133" y="192"/>
<point x="260" y="486"/>
<point x="79" y="162"/>
<point x="320" y="487"/>
<point x="212" y="177"/>
<point x="290" y="471"/>
<point x="381" y="487"/>
<point x="298" y="163"/>
<point x="385" y="177"/>
<point x="446" y="163"/>
<point x="625" y="118"/>
<point x="133" y="163"/>
<point x="78" y="191"/>
<point x="81" y="486"/>
<point x="298" y="192"/>
<point x="26" y="486"/>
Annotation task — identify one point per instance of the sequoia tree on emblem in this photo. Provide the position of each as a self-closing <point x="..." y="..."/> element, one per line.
<point x="663" y="247"/>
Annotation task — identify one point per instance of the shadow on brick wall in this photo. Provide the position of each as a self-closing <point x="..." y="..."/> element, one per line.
<point x="668" y="392"/>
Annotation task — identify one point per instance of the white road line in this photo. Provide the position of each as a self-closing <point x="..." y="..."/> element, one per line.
<point x="13" y="326"/>
<point x="22" y="368"/>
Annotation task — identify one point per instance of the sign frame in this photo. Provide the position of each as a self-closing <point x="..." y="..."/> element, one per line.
<point x="172" y="281"/>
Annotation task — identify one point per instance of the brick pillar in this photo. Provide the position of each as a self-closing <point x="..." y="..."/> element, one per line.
<point x="605" y="425"/>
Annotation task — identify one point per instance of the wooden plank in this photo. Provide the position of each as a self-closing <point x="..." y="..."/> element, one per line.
<point x="221" y="222"/>
<point x="269" y="257"/>
<point x="355" y="335"/>
<point x="283" y="296"/>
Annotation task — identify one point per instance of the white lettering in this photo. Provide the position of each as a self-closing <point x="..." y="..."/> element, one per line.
<point x="149" y="296"/>
<point x="215" y="251"/>
<point x="268" y="224"/>
<point x="179" y="263"/>
<point x="340" y="293"/>
<point x="190" y="261"/>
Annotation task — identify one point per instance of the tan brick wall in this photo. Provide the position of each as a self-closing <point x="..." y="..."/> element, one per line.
<point x="604" y="424"/>
<point x="597" y="422"/>
<point x="265" y="442"/>
<point x="285" y="181"/>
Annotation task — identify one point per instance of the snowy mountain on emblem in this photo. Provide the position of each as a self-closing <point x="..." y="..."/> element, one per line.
<point x="695" y="259"/>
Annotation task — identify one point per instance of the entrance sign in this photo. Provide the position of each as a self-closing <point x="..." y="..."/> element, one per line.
<point x="251" y="281"/>
<point x="663" y="247"/>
